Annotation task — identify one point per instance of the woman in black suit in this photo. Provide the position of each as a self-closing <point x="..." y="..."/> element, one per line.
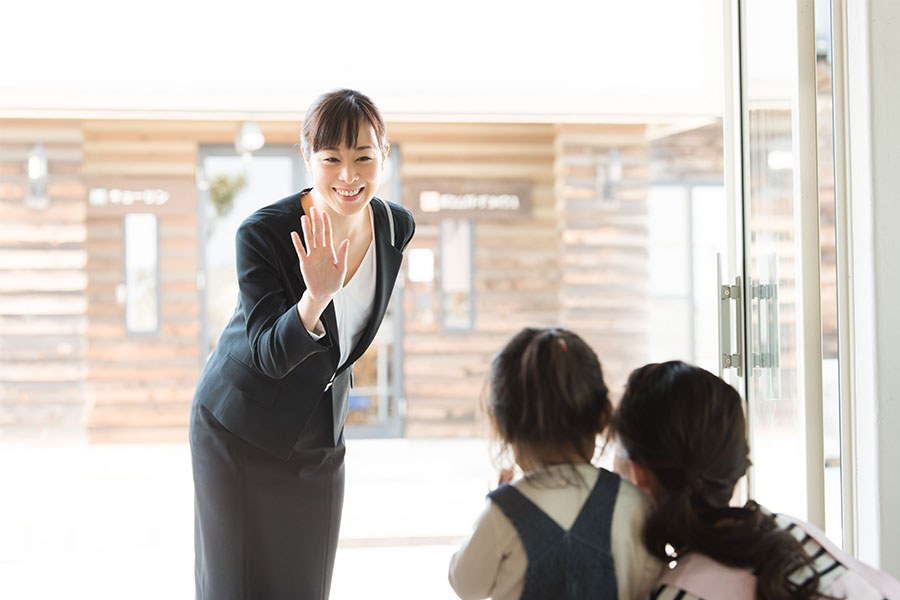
<point x="267" y="419"/>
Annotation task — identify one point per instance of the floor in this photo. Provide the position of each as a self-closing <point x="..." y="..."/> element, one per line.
<point x="116" y="521"/>
<point x="112" y="522"/>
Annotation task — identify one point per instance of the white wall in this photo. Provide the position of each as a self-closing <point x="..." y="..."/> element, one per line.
<point x="873" y="95"/>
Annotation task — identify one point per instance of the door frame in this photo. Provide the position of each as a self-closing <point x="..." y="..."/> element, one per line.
<point x="805" y="182"/>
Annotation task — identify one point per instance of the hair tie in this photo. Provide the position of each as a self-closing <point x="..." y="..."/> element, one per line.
<point x="562" y="344"/>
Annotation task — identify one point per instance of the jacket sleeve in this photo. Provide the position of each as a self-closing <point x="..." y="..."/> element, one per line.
<point x="277" y="337"/>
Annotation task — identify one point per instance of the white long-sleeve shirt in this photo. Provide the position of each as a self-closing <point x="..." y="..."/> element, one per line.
<point x="492" y="561"/>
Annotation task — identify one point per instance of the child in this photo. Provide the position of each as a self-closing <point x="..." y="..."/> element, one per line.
<point x="566" y="529"/>
<point x="684" y="433"/>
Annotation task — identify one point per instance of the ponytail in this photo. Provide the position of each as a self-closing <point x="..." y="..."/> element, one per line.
<point x="686" y="426"/>
<point x="742" y="537"/>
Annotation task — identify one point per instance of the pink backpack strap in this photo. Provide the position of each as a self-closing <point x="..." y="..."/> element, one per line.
<point x="884" y="583"/>
<point x="703" y="577"/>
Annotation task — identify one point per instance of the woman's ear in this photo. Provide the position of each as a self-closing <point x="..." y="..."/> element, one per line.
<point x="306" y="159"/>
<point x="384" y="155"/>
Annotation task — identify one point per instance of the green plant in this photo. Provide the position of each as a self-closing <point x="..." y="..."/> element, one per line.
<point x="223" y="189"/>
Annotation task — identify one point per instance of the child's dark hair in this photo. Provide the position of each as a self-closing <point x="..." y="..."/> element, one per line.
<point x="547" y="389"/>
<point x="687" y="427"/>
<point x="336" y="115"/>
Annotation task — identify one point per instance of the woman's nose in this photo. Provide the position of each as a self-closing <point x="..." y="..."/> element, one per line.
<point x="348" y="173"/>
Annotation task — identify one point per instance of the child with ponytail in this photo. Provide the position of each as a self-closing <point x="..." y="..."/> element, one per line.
<point x="682" y="430"/>
<point x="566" y="529"/>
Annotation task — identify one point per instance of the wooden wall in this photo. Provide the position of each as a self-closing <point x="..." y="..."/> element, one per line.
<point x="43" y="285"/>
<point x="140" y="386"/>
<point x="516" y="278"/>
<point x="604" y="235"/>
<point x="575" y="259"/>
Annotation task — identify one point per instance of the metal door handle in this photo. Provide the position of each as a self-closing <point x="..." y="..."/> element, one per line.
<point x="729" y="359"/>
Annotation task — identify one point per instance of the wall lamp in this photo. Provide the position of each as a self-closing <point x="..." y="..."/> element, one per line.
<point x="37" y="170"/>
<point x="608" y="176"/>
<point x="249" y="138"/>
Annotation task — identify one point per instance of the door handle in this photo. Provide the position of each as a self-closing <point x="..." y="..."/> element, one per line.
<point x="730" y="358"/>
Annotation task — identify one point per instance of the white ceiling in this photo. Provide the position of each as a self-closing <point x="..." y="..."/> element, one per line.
<point x="494" y="60"/>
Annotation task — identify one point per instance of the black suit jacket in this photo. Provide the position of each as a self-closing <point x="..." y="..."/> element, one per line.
<point x="267" y="374"/>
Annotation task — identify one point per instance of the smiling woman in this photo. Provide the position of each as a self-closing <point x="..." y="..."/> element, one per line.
<point x="268" y="414"/>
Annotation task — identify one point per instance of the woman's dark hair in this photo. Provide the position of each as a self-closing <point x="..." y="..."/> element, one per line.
<point x="687" y="427"/>
<point x="336" y="115"/>
<point x="547" y="389"/>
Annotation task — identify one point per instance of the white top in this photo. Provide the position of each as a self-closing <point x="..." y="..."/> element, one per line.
<point x="492" y="561"/>
<point x="353" y="302"/>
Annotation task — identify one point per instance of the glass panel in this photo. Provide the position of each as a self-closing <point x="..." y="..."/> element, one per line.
<point x="709" y="234"/>
<point x="456" y="274"/>
<point x="830" y="383"/>
<point x="237" y="187"/>
<point x="141" y="273"/>
<point x="669" y="262"/>
<point x="685" y="232"/>
<point x="776" y="412"/>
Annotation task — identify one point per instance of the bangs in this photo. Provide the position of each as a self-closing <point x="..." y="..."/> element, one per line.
<point x="337" y="120"/>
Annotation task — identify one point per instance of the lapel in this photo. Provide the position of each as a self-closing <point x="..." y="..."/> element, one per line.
<point x="387" y="266"/>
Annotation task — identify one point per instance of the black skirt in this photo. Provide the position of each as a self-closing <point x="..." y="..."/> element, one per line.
<point x="265" y="528"/>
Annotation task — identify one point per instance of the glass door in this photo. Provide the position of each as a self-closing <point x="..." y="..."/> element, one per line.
<point x="775" y="77"/>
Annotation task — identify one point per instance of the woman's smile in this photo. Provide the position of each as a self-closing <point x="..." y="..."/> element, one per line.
<point x="349" y="194"/>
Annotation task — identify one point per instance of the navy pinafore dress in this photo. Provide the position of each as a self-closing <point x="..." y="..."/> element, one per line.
<point x="573" y="565"/>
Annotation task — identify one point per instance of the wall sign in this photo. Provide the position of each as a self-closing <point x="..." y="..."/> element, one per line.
<point x="101" y="197"/>
<point x="469" y="198"/>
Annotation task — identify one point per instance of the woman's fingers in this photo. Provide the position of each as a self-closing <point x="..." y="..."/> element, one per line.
<point x="306" y="226"/>
<point x="318" y="236"/>
<point x="322" y="223"/>
<point x="298" y="245"/>
<point x="327" y="241"/>
<point x="342" y="253"/>
<point x="313" y="227"/>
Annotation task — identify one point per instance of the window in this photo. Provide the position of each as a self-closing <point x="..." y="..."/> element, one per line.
<point x="141" y="273"/>
<point x="457" y="304"/>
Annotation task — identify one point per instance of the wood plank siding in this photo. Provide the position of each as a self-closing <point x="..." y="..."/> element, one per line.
<point x="43" y="286"/>
<point x="140" y="384"/>
<point x="604" y="271"/>
<point x="516" y="267"/>
<point x="576" y="256"/>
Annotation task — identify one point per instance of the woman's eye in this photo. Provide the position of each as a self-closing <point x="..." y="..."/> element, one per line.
<point x="364" y="158"/>
<point x="331" y="160"/>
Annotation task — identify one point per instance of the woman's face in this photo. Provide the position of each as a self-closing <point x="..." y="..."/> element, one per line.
<point x="345" y="179"/>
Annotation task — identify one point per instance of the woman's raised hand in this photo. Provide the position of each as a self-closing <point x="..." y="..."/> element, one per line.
<point x="322" y="268"/>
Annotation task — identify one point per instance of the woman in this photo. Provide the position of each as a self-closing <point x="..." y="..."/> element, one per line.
<point x="267" y="419"/>
<point x="683" y="431"/>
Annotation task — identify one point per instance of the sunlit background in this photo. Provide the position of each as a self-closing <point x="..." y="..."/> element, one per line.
<point x="564" y="162"/>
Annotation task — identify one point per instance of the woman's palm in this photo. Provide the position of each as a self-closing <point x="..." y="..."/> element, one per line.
<point x="322" y="268"/>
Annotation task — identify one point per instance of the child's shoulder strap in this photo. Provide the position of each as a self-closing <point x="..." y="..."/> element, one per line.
<point x="597" y="511"/>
